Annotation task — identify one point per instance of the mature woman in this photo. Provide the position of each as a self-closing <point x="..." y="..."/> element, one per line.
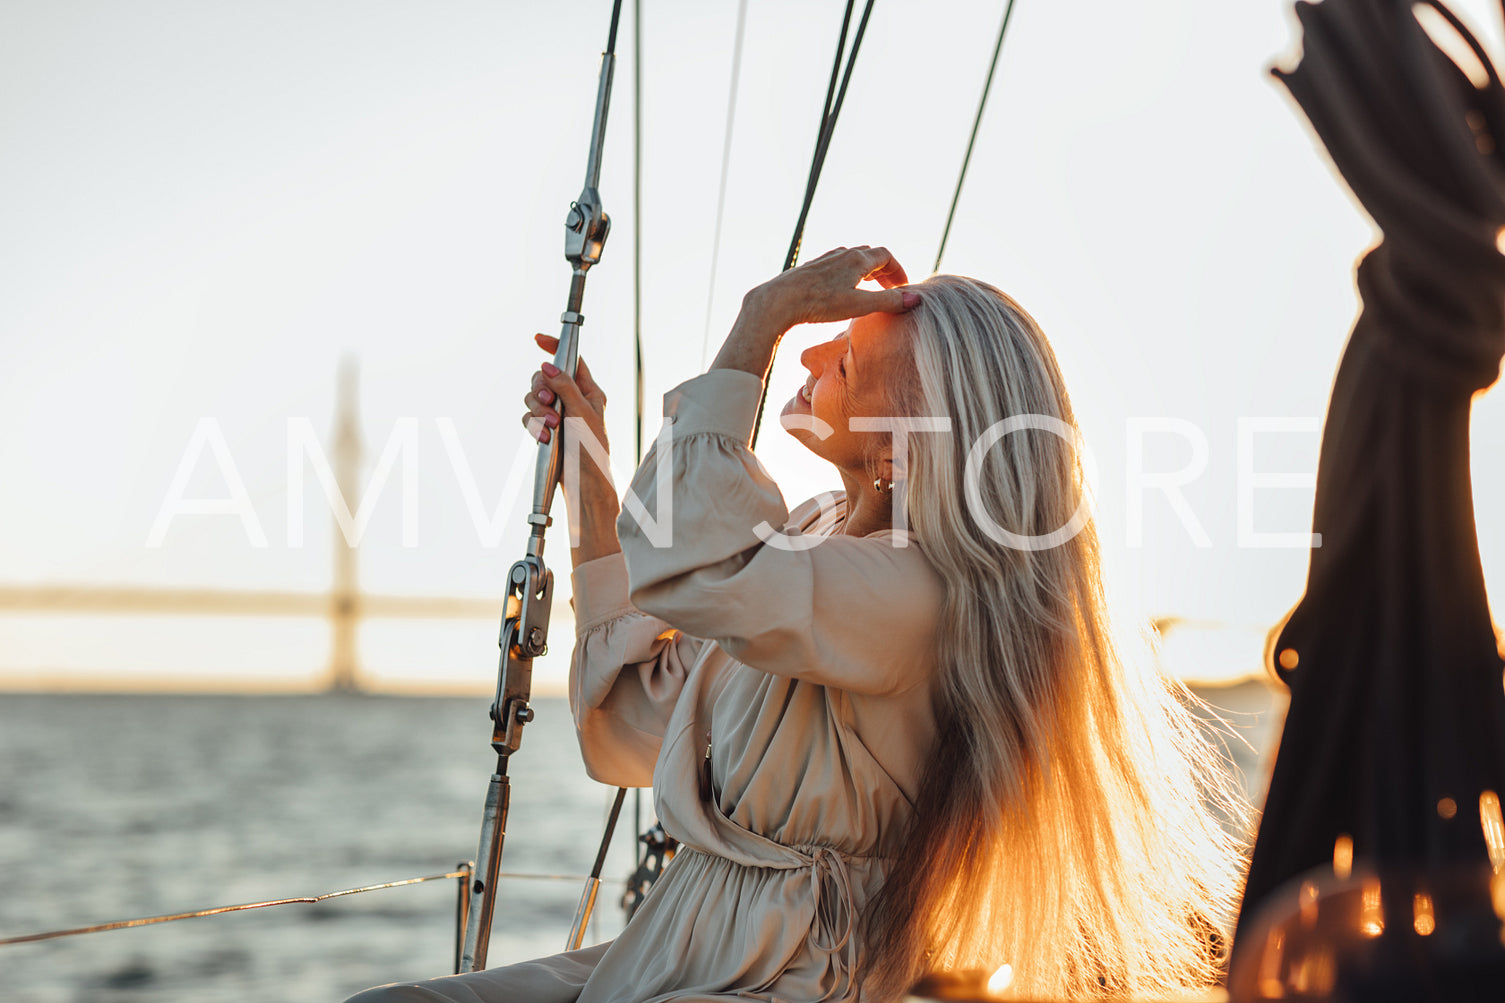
<point x="889" y="727"/>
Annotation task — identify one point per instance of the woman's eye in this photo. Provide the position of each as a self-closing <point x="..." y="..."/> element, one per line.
<point x="842" y="366"/>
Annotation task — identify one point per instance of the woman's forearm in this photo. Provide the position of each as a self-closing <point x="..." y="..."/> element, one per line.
<point x="595" y="511"/>
<point x="753" y="338"/>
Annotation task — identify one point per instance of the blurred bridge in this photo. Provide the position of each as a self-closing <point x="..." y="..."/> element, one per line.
<point x="344" y="604"/>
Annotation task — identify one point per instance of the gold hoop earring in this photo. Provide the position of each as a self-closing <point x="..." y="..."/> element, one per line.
<point x="880" y="486"/>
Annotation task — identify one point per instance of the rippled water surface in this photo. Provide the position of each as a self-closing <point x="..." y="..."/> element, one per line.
<point x="114" y="807"/>
<point x="121" y="806"/>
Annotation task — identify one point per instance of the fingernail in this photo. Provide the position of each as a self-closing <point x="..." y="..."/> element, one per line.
<point x="551" y="419"/>
<point x="910" y="300"/>
<point x="550" y="370"/>
<point x="545" y="395"/>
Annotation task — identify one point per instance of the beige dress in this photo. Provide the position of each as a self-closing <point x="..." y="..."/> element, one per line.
<point x="807" y="671"/>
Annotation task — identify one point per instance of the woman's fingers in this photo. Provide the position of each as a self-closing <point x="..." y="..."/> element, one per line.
<point x="539" y="400"/>
<point x="538" y="408"/>
<point x="884" y="268"/>
<point x="588" y="385"/>
<point x="567" y="390"/>
<point x="879" y="265"/>
<point x="833" y="252"/>
<point x="539" y="389"/>
<point x="538" y="425"/>
<point x="552" y="387"/>
<point x="827" y="288"/>
<point x="885" y="301"/>
<point x="539" y="417"/>
<point x="859" y="302"/>
<point x="875" y="263"/>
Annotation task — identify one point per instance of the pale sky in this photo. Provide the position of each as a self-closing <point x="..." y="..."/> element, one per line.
<point x="204" y="206"/>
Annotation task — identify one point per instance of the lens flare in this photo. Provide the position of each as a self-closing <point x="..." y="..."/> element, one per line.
<point x="1371" y="912"/>
<point x="1494" y="828"/>
<point x="1309" y="895"/>
<point x="1343" y="856"/>
<point x="1425" y="921"/>
<point x="1270" y="983"/>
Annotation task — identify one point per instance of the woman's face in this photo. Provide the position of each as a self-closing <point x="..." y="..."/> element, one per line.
<point x="848" y="378"/>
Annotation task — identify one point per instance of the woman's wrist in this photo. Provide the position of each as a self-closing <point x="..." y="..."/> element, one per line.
<point x="596" y="514"/>
<point x="754" y="336"/>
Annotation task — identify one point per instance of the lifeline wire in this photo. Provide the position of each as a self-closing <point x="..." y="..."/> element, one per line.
<point x="1008" y="12"/>
<point x="149" y="920"/>
<point x="311" y="899"/>
<point x="829" y="113"/>
<point x="726" y="160"/>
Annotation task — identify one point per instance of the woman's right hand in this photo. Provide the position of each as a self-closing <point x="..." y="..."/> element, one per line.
<point x="582" y="397"/>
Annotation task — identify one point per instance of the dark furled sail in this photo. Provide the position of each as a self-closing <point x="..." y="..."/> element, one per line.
<point x="1397" y="716"/>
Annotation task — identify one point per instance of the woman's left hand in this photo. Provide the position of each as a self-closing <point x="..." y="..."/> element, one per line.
<point x="825" y="289"/>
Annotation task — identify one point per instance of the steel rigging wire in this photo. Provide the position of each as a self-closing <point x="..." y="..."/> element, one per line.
<point x="593" y="882"/>
<point x="828" y="125"/>
<point x="637" y="215"/>
<point x="829" y="113"/>
<point x="1008" y="12"/>
<point x="726" y="160"/>
<point x="637" y="300"/>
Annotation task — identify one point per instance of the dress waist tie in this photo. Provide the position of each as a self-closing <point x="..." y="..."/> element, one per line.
<point x="831" y="929"/>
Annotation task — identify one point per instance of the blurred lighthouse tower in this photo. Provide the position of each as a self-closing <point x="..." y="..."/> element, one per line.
<point x="344" y="597"/>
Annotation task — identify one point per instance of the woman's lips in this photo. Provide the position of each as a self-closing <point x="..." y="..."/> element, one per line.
<point x="805" y="393"/>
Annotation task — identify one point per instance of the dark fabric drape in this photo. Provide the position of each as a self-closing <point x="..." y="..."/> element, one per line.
<point x="1396" y="696"/>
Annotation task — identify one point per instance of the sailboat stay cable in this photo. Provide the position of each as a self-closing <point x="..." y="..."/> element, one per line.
<point x="611" y="37"/>
<point x="831" y="110"/>
<point x="637" y="217"/>
<point x="637" y="310"/>
<point x="726" y="159"/>
<point x="1008" y="12"/>
<point x="827" y="126"/>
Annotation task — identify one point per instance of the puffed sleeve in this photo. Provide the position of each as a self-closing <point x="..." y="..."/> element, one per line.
<point x="854" y="613"/>
<point x="625" y="675"/>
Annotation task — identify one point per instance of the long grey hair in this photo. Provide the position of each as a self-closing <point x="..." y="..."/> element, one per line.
<point x="1068" y="824"/>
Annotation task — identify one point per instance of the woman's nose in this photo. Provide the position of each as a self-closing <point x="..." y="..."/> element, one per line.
<point x="817" y="357"/>
<point x="810" y="359"/>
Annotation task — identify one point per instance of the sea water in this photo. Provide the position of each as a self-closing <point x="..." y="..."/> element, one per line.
<point x="122" y="806"/>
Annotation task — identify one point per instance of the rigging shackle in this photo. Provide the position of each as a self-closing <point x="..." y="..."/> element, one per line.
<point x="585" y="230"/>
<point x="585" y="225"/>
